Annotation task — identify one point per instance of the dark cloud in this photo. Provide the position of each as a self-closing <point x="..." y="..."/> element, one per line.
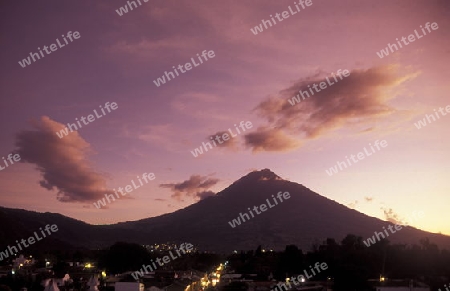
<point x="230" y="143"/>
<point x="205" y="194"/>
<point x="196" y="186"/>
<point x="391" y="216"/>
<point x="355" y="100"/>
<point x="271" y="140"/>
<point x="62" y="162"/>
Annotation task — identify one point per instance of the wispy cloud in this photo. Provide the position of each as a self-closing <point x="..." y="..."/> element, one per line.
<point x="196" y="187"/>
<point x="391" y="216"/>
<point x="148" y="50"/>
<point x="271" y="140"/>
<point x="353" y="204"/>
<point x="231" y="143"/>
<point x="368" y="199"/>
<point x="357" y="100"/>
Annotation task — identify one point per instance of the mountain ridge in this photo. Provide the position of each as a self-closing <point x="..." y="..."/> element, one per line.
<point x="304" y="219"/>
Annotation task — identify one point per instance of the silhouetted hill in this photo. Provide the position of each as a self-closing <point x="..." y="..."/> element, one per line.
<point x="17" y="224"/>
<point x="306" y="217"/>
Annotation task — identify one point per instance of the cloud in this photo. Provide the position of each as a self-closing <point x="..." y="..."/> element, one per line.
<point x="368" y="199"/>
<point x="205" y="194"/>
<point x="271" y="140"/>
<point x="150" y="49"/>
<point x="230" y="143"/>
<point x="62" y="162"/>
<point x="391" y="216"/>
<point x="357" y="100"/>
<point x="353" y="204"/>
<point x="196" y="187"/>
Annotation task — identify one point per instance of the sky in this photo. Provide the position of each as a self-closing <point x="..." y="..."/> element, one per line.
<point x="243" y="77"/>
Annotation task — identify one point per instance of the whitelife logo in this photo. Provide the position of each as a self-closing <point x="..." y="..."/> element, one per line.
<point x="423" y="122"/>
<point x="146" y="177"/>
<point x="262" y="207"/>
<point x="284" y="14"/>
<point x="30" y="240"/>
<point x="360" y="155"/>
<point x="318" y="266"/>
<point x="27" y="61"/>
<point x="198" y="151"/>
<point x="159" y="81"/>
<point x="296" y="99"/>
<point x="90" y="118"/>
<point x="122" y="10"/>
<point x="10" y="158"/>
<point x="385" y="52"/>
<point x="379" y="235"/>
<point x="166" y="259"/>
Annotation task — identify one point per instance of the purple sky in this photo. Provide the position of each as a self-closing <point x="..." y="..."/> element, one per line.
<point x="154" y="129"/>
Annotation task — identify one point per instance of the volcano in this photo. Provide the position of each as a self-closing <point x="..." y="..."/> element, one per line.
<point x="305" y="219"/>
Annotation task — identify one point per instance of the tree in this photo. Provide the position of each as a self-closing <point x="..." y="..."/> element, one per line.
<point x="352" y="242"/>
<point x="122" y="257"/>
<point x="258" y="251"/>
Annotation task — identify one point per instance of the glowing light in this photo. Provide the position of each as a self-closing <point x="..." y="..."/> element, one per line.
<point x="88" y="265"/>
<point x="103" y="274"/>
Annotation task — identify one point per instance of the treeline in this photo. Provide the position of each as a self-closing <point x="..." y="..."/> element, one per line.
<point x="122" y="257"/>
<point x="351" y="263"/>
